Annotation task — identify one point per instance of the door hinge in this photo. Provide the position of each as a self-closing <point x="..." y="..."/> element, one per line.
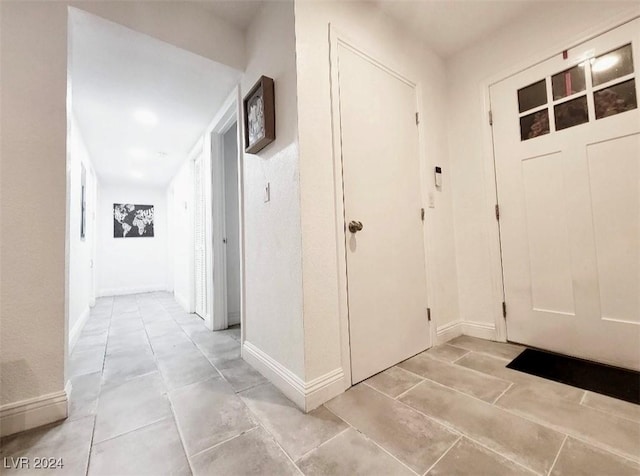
<point x="497" y="212"/>
<point x="504" y="309"/>
<point x="417" y="118"/>
<point x="429" y="314"/>
<point x="422" y="214"/>
<point x="490" y="117"/>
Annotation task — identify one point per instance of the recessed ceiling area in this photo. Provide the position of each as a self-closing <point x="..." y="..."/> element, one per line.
<point x="141" y="104"/>
<point x="450" y="26"/>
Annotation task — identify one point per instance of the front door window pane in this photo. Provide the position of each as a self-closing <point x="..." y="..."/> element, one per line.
<point x="615" y="99"/>
<point x="534" y="125"/>
<point x="571" y="113"/>
<point x="612" y="65"/>
<point x="568" y="82"/>
<point x="532" y="96"/>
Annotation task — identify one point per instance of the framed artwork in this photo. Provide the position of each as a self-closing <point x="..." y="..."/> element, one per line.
<point x="132" y="221"/>
<point x="259" y="116"/>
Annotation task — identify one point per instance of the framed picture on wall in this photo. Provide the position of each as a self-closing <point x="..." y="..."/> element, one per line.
<point x="132" y="221"/>
<point x="259" y="116"/>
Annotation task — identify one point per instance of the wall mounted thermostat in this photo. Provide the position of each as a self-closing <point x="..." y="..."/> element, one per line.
<point x="438" y="176"/>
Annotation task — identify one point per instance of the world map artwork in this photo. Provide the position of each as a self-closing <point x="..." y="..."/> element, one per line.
<point x="132" y="221"/>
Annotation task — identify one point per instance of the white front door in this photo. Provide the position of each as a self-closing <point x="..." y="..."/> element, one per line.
<point x="200" y="278"/>
<point x="567" y="154"/>
<point x="386" y="273"/>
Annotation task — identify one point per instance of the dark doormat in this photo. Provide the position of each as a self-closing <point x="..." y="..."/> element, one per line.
<point x="612" y="381"/>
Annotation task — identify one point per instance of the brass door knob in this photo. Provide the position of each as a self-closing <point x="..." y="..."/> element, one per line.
<point x="355" y="226"/>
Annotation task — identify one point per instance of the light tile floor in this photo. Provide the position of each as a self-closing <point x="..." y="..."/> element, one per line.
<point x="154" y="392"/>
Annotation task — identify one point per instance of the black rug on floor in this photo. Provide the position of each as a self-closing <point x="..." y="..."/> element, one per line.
<point x="612" y="381"/>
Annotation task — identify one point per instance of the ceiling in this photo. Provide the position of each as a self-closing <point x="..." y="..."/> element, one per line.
<point x="449" y="26"/>
<point x="239" y="13"/>
<point x="141" y="104"/>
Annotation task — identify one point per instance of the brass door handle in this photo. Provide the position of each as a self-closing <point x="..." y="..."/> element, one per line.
<point x="355" y="226"/>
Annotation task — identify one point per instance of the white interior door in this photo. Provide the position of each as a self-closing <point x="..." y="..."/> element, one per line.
<point x="199" y="235"/>
<point x="567" y="153"/>
<point x="386" y="272"/>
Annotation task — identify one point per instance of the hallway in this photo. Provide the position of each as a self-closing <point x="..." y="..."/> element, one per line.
<point x="155" y="392"/>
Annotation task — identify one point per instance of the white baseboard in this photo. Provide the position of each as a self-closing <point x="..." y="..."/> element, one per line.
<point x="233" y="318"/>
<point x="306" y="395"/>
<point x="482" y="330"/>
<point x="451" y="330"/>
<point x="448" y="331"/>
<point x="76" y="330"/>
<point x="131" y="290"/>
<point x="34" y="412"/>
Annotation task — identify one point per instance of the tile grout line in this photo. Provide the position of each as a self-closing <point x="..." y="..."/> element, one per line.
<point x="456" y="431"/>
<point x="220" y="443"/>
<point x="605" y="449"/>
<point x="462" y="356"/>
<point x="558" y="454"/>
<point x="255" y="418"/>
<point x="511" y="384"/>
<point x="477" y="372"/>
<point x="506" y="359"/>
<point x="408" y="390"/>
<point x="372" y="441"/>
<point x="443" y="455"/>
<point x="349" y="427"/>
<point x="275" y="440"/>
<point x="95" y="417"/>
<point x="584" y="396"/>
<point x="611" y="414"/>
<point x="597" y="444"/>
<point x="171" y="408"/>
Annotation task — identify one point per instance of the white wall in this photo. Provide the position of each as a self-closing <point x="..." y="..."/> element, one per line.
<point x="131" y="265"/>
<point x="81" y="251"/>
<point x="33" y="199"/>
<point x="232" y="225"/>
<point x="180" y="196"/>
<point x="273" y="257"/>
<point x="375" y="33"/>
<point x="33" y="121"/>
<point x="544" y="31"/>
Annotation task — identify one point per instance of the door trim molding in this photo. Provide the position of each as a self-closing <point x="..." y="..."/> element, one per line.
<point x="221" y="123"/>
<point x="492" y="227"/>
<point x="338" y="38"/>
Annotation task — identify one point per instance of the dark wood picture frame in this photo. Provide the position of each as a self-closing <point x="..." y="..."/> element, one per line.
<point x="258" y="109"/>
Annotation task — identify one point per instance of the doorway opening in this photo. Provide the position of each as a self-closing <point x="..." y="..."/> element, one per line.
<point x="226" y="179"/>
<point x="141" y="214"/>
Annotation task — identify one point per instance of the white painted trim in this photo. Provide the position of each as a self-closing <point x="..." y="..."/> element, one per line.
<point x="492" y="227"/>
<point x="34" y="412"/>
<point x="324" y="388"/>
<point x="481" y="330"/>
<point x="453" y="329"/>
<point x="132" y="290"/>
<point x="449" y="331"/>
<point x="233" y="318"/>
<point x="306" y="395"/>
<point x="227" y="115"/>
<point x="75" y="332"/>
